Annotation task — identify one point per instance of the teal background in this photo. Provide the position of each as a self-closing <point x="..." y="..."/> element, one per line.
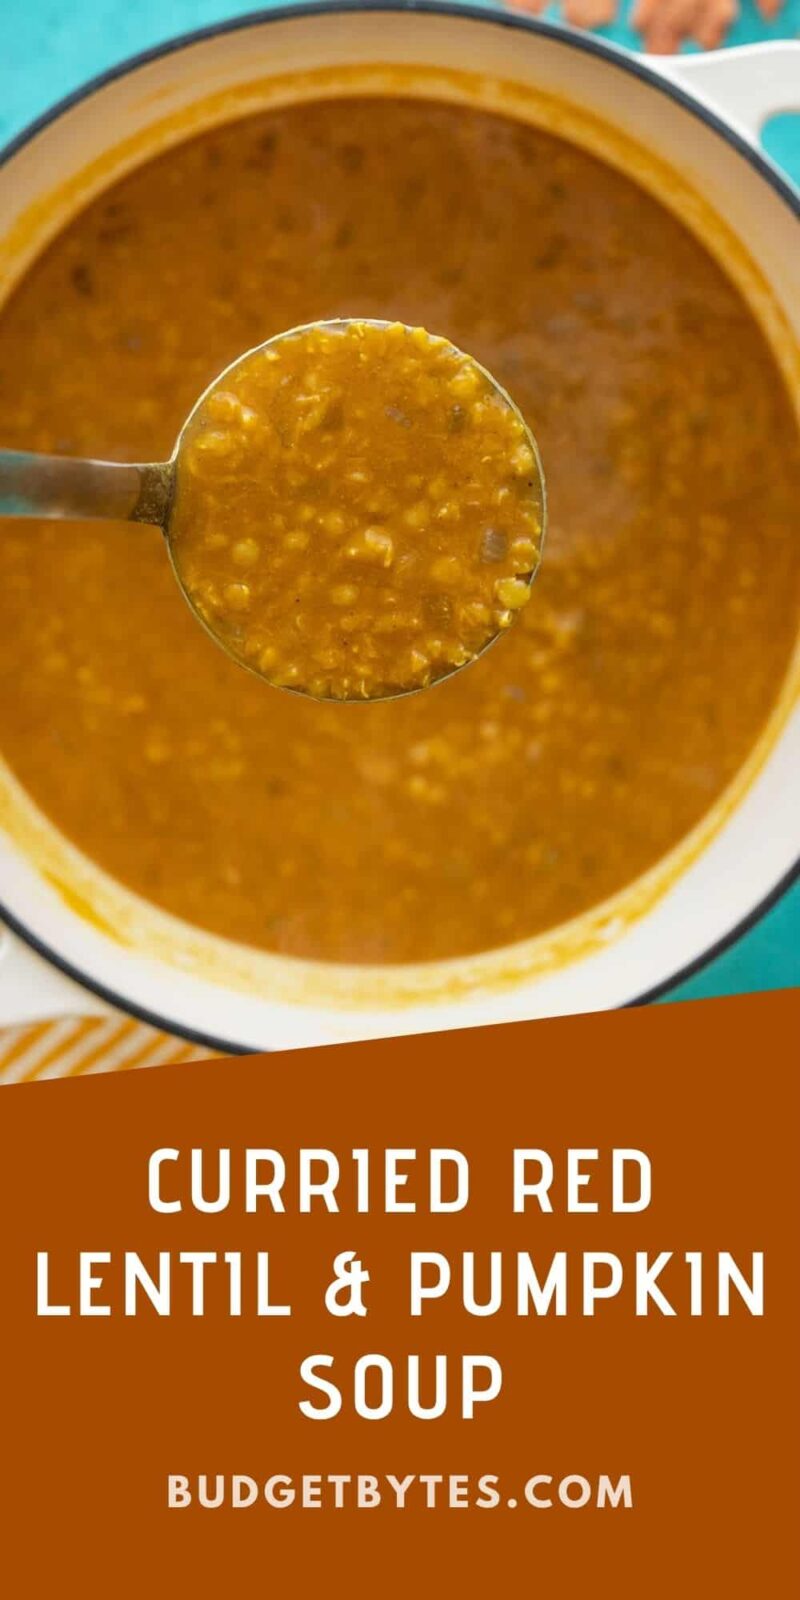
<point x="48" y="48"/>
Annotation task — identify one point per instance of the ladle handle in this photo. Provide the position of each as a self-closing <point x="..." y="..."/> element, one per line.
<point x="61" y="486"/>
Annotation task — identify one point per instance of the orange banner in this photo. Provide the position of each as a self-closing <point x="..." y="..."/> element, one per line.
<point x="516" y="1308"/>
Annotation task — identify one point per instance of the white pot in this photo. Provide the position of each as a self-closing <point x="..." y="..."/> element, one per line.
<point x="688" y="128"/>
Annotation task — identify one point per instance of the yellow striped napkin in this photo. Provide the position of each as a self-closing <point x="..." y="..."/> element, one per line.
<point x="71" y="1047"/>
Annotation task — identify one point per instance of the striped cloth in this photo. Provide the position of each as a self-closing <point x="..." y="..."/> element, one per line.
<point x="77" y="1047"/>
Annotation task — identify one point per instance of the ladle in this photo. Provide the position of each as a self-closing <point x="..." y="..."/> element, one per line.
<point x="49" y="486"/>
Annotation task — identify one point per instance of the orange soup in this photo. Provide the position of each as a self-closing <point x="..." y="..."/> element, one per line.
<point x="358" y="510"/>
<point x="576" y="751"/>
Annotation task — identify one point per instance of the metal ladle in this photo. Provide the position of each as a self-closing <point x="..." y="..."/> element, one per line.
<point x="65" y="487"/>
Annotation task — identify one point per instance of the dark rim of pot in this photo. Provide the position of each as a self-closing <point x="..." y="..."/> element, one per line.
<point x="488" y="16"/>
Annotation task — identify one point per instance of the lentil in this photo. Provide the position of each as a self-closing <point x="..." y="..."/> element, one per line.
<point x="275" y="439"/>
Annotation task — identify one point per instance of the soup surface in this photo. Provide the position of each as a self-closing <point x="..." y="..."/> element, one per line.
<point x="584" y="744"/>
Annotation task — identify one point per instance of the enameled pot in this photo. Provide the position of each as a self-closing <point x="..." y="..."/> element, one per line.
<point x="688" y="129"/>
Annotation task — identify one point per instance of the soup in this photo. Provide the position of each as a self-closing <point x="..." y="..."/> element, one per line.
<point x="358" y="510"/>
<point x="582" y="746"/>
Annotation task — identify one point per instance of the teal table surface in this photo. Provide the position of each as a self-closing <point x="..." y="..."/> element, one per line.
<point x="48" y="49"/>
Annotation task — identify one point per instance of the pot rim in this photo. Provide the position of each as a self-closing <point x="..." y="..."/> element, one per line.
<point x="490" y="15"/>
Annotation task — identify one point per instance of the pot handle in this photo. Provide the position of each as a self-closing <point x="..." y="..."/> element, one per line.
<point x="748" y="84"/>
<point x="32" y="990"/>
